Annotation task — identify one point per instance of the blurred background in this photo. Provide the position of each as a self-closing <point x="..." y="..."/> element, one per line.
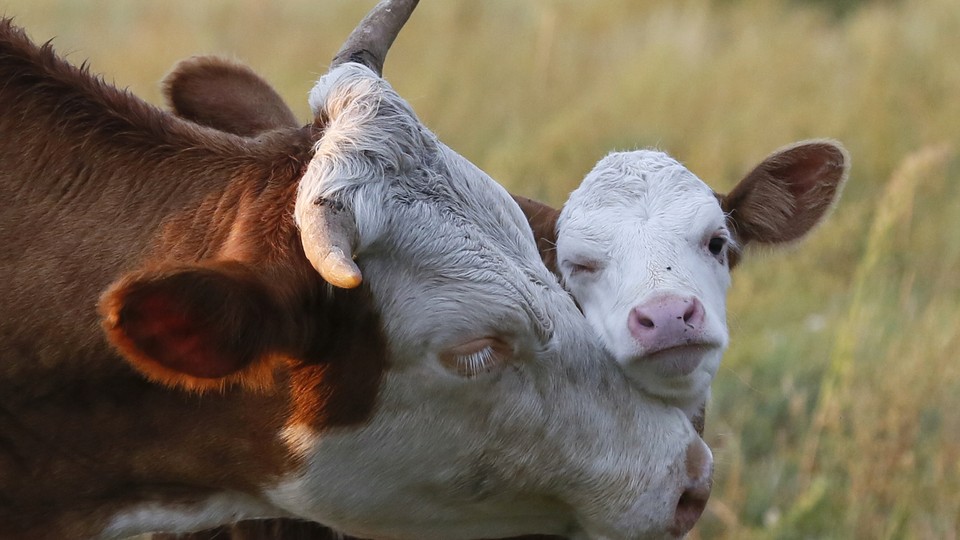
<point x="836" y="412"/>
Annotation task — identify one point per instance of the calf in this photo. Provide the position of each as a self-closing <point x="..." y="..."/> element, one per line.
<point x="173" y="357"/>
<point x="646" y="248"/>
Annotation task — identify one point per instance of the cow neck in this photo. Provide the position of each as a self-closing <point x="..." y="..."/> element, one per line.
<point x="245" y="211"/>
<point x="101" y="444"/>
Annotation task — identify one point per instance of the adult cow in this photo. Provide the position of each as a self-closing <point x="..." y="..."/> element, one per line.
<point x="456" y="393"/>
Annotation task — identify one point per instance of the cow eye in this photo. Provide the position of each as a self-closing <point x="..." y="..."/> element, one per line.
<point x="476" y="357"/>
<point x="716" y="245"/>
<point x="582" y="266"/>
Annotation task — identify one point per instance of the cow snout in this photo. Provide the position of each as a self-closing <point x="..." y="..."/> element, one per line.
<point x="693" y="498"/>
<point x="667" y="321"/>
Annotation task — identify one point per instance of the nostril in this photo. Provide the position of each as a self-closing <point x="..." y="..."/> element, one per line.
<point x="693" y="315"/>
<point x="640" y="319"/>
<point x="690" y="507"/>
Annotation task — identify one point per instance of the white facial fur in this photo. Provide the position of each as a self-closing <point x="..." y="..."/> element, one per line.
<point x="548" y="437"/>
<point x="634" y="238"/>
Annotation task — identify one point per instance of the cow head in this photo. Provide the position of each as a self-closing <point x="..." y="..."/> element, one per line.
<point x="646" y="248"/>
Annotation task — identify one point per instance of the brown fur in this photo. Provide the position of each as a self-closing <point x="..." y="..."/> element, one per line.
<point x="102" y="192"/>
<point x="216" y="101"/>
<point x="788" y="194"/>
<point x="543" y="222"/>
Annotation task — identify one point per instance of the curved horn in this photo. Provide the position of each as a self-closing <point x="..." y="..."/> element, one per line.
<point x="328" y="231"/>
<point x="371" y="39"/>
<point x="328" y="234"/>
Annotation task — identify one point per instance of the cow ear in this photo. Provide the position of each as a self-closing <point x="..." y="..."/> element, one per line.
<point x="225" y="95"/>
<point x="196" y="327"/>
<point x="543" y="222"/>
<point x="787" y="194"/>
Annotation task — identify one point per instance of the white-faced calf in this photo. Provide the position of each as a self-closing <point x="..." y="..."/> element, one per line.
<point x="646" y="248"/>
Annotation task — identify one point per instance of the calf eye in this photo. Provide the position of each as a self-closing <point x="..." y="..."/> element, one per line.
<point x="582" y="266"/>
<point x="716" y="245"/>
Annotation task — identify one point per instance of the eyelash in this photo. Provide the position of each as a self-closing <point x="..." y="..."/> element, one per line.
<point x="585" y="267"/>
<point x="473" y="364"/>
<point x="474" y="358"/>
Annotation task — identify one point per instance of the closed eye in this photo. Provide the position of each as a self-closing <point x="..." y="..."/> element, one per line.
<point x="581" y="267"/>
<point x="476" y="357"/>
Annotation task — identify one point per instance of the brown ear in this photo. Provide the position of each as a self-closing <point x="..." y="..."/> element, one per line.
<point x="543" y="222"/>
<point x="225" y="95"/>
<point x="788" y="194"/>
<point x="197" y="327"/>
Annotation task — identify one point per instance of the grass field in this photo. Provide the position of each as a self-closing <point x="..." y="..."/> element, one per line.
<point x="836" y="413"/>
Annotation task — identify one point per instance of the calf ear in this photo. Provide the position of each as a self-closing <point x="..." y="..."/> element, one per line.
<point x="225" y="95"/>
<point x="543" y="221"/>
<point x="197" y="327"/>
<point x="789" y="193"/>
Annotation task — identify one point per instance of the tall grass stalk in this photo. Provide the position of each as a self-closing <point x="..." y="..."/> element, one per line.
<point x="832" y="412"/>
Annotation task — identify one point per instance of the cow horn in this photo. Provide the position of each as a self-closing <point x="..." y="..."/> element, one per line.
<point x="371" y="39"/>
<point x="328" y="234"/>
<point x="328" y="231"/>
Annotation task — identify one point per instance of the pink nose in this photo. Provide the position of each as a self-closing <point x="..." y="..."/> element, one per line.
<point x="666" y="321"/>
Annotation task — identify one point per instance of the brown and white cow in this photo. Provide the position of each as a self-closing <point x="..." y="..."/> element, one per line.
<point x="172" y="356"/>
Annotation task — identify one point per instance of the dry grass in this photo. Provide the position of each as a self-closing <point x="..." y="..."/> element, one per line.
<point x="837" y="411"/>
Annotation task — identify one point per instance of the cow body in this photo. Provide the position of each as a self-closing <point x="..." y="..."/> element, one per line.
<point x="171" y="359"/>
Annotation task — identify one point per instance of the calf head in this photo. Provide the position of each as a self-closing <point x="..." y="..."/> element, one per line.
<point x="646" y="248"/>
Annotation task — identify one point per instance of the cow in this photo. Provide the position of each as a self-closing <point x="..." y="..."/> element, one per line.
<point x="346" y="322"/>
